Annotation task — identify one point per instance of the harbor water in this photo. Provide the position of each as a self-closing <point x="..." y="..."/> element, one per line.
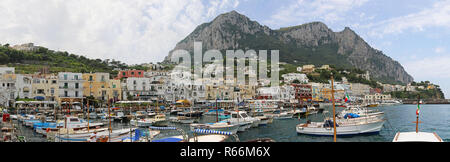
<point x="435" y="118"/>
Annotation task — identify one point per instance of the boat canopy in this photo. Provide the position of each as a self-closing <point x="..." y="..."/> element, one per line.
<point x="351" y="115"/>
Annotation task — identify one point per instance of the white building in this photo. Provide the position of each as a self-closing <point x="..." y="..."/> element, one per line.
<point x="24" y="86"/>
<point x="7" y="86"/>
<point x="290" y="77"/>
<point x="136" y="87"/>
<point x="70" y="85"/>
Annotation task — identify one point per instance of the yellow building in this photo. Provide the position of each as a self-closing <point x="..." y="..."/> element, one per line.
<point x="96" y="85"/>
<point x="46" y="86"/>
<point x="101" y="87"/>
<point x="115" y="89"/>
<point x="308" y="68"/>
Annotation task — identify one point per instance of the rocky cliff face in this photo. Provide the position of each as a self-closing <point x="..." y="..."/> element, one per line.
<point x="312" y="43"/>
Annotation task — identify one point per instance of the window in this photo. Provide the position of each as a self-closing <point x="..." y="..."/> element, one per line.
<point x="90" y="78"/>
<point x="114" y="86"/>
<point x="65" y="76"/>
<point x="76" y="93"/>
<point x="66" y="94"/>
<point x="103" y="78"/>
<point x="76" y="85"/>
<point x="75" y="77"/>
<point x="66" y="85"/>
<point x="123" y="74"/>
<point x="40" y="91"/>
<point x="139" y="73"/>
<point x="132" y="73"/>
<point x="53" y="81"/>
<point x="52" y="91"/>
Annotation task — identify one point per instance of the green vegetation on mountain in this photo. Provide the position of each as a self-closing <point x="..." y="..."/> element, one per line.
<point x="28" y="62"/>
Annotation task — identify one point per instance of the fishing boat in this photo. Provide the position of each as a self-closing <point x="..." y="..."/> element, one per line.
<point x="219" y="126"/>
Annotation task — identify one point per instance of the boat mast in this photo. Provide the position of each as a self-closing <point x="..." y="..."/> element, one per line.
<point x="334" y="109"/>
<point x="417" y="115"/>
<point x="88" y="114"/>
<point x="217" y="112"/>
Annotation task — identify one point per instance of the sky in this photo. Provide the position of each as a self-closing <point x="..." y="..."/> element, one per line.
<point x="416" y="33"/>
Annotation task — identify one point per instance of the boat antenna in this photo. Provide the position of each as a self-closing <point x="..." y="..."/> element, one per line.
<point x="334" y="109"/>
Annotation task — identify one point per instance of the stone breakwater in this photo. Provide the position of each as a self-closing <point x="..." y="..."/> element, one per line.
<point x="427" y="101"/>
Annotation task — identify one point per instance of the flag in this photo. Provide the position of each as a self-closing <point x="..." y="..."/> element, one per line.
<point x="418" y="108"/>
<point x="346" y="97"/>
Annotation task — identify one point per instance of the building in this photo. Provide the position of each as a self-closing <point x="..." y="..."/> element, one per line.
<point x="130" y="73"/>
<point x="308" y="69"/>
<point x="290" y="77"/>
<point x="359" y="90"/>
<point x="114" y="90"/>
<point x="325" y="67"/>
<point x="303" y="92"/>
<point x="70" y="87"/>
<point x="377" y="97"/>
<point x="45" y="87"/>
<point x="23" y="86"/>
<point x="7" y="86"/>
<point x="97" y="85"/>
<point x="26" y="47"/>
<point x="136" y="88"/>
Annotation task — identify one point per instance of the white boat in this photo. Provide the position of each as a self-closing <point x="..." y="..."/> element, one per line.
<point x="158" y="120"/>
<point x="240" y="118"/>
<point x="343" y="127"/>
<point x="181" y="119"/>
<point x="361" y="112"/>
<point x="76" y="123"/>
<point x="220" y="126"/>
<point x="85" y="136"/>
<point x="264" y="120"/>
<point x="417" y="137"/>
<point x="277" y="114"/>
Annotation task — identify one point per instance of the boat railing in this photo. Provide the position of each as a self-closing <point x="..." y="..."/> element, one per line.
<point x="208" y="131"/>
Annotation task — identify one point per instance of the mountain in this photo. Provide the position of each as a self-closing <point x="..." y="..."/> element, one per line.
<point x="312" y="43"/>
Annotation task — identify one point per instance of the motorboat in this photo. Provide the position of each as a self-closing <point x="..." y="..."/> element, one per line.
<point x="242" y="119"/>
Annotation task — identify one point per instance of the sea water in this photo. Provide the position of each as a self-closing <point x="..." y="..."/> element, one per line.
<point x="435" y="118"/>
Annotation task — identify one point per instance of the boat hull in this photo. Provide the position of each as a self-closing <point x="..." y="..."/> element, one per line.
<point x="372" y="127"/>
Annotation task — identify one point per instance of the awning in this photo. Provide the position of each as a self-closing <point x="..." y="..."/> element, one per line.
<point x="39" y="98"/>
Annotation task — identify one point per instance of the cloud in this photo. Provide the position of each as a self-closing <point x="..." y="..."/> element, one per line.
<point x="323" y="10"/>
<point x="429" y="67"/>
<point x="439" y="50"/>
<point x="133" y="31"/>
<point x="436" y="16"/>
